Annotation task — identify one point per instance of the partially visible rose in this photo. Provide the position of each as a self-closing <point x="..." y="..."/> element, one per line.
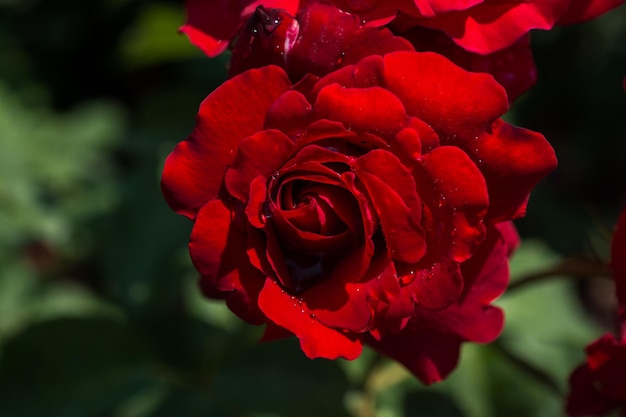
<point x="322" y="38"/>
<point x="478" y="26"/>
<point x="317" y="40"/>
<point x="358" y="208"/>
<point x="598" y="387"/>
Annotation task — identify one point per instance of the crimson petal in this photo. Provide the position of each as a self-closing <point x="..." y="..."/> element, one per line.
<point x="218" y="251"/>
<point x="194" y="171"/>
<point x="316" y="339"/>
<point x="373" y="109"/>
<point x="513" y="160"/>
<point x="494" y="25"/>
<point x="454" y="101"/>
<point x="259" y="154"/>
<point x="428" y="354"/>
<point x="392" y="191"/>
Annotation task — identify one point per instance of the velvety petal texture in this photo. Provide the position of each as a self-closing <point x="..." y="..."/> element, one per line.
<point x="368" y="205"/>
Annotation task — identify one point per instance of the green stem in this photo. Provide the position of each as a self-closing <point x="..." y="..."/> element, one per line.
<point x="572" y="268"/>
<point x="528" y="368"/>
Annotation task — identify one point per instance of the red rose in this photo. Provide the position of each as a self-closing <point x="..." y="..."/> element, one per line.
<point x="347" y="210"/>
<point x="311" y="36"/>
<point x="599" y="385"/>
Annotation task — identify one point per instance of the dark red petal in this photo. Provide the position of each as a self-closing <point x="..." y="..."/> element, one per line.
<point x="392" y="305"/>
<point x="263" y="40"/>
<point x="428" y="354"/>
<point x="218" y="251"/>
<point x="440" y="6"/>
<point x="512" y="67"/>
<point x="290" y="113"/>
<point x="606" y="358"/>
<point x="461" y="197"/>
<point x="486" y="273"/>
<point x="366" y="73"/>
<point x="452" y="100"/>
<point x="338" y="303"/>
<point x="438" y="286"/>
<point x="330" y="38"/>
<point x="316" y="340"/>
<point x="494" y="25"/>
<point x="274" y="332"/>
<point x="211" y="24"/>
<point x="584" y="399"/>
<point x="256" y="202"/>
<point x="392" y="191"/>
<point x="583" y="10"/>
<point x="618" y="259"/>
<point x="260" y="154"/>
<point x="194" y="171"/>
<point x="513" y="160"/>
<point x="373" y="109"/>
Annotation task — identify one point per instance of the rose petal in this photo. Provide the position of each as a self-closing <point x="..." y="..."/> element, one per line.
<point x="513" y="160"/>
<point x="392" y="191"/>
<point x="486" y="273"/>
<point x="290" y="113"/>
<point x="512" y="67"/>
<point x="458" y="196"/>
<point x="316" y="340"/>
<point x="493" y="25"/>
<point x="452" y="100"/>
<point x="330" y="38"/>
<point x="428" y="354"/>
<point x="211" y="25"/>
<point x="584" y="399"/>
<point x="373" y="109"/>
<point x="194" y="171"/>
<point x="218" y="251"/>
<point x="259" y="154"/>
<point x="366" y="73"/>
<point x="438" y="286"/>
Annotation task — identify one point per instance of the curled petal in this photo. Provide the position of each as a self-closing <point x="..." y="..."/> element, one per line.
<point x="194" y="171"/>
<point x="259" y="154"/>
<point x="218" y="251"/>
<point x="210" y="25"/>
<point x="513" y="160"/>
<point x="316" y="339"/>
<point x="392" y="191"/>
<point x="494" y="25"/>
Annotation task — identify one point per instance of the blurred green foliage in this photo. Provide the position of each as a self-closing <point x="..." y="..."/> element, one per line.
<point x="99" y="310"/>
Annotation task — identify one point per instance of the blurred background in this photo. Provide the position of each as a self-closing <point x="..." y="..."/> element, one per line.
<point x="99" y="311"/>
